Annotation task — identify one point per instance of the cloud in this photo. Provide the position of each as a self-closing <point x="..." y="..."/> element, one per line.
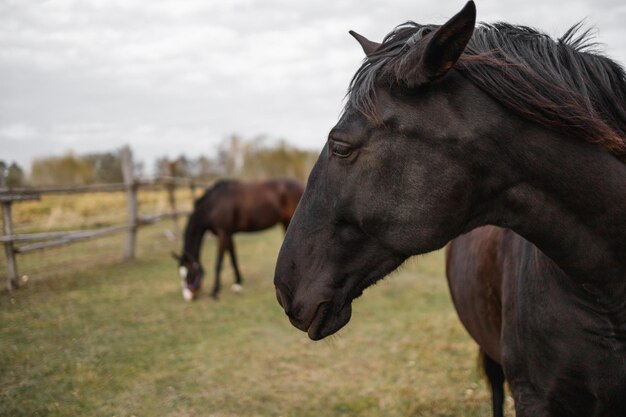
<point x="174" y="76"/>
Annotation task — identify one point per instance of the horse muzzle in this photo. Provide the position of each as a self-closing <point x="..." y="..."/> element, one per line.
<point x="317" y="319"/>
<point x="188" y="295"/>
<point x="328" y="320"/>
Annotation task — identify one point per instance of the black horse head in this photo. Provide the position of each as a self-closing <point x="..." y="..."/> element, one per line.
<point x="448" y="128"/>
<point x="376" y="194"/>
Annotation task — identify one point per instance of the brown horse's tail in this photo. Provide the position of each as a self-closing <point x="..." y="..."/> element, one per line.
<point x="495" y="376"/>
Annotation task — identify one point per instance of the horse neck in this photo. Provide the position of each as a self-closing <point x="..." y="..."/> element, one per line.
<point x="194" y="232"/>
<point x="570" y="201"/>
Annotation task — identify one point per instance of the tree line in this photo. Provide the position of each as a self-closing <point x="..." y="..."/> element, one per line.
<point x="255" y="158"/>
<point x="11" y="175"/>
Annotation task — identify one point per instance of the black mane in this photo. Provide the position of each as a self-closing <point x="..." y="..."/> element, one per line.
<point x="564" y="84"/>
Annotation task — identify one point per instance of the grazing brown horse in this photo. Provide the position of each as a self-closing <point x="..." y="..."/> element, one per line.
<point x="449" y="128"/>
<point x="226" y="208"/>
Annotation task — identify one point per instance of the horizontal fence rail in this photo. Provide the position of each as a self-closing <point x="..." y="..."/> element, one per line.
<point x="30" y="242"/>
<point x="30" y="193"/>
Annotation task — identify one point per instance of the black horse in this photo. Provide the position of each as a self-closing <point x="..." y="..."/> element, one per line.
<point x="448" y="128"/>
<point x="228" y="207"/>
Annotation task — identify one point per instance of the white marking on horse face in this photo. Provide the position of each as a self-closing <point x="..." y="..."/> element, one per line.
<point x="182" y="271"/>
<point x="236" y="288"/>
<point x="187" y="294"/>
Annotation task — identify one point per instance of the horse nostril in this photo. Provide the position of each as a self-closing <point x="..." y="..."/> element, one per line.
<point x="284" y="301"/>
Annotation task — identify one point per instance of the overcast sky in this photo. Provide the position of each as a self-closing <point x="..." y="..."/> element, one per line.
<point x="175" y="76"/>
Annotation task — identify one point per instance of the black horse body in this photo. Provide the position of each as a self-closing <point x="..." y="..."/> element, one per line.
<point x="229" y="207"/>
<point x="428" y="149"/>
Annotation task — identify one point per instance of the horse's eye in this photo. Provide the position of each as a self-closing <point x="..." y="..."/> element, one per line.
<point x="340" y="149"/>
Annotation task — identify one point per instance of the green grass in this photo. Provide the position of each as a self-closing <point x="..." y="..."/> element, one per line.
<point x="118" y="340"/>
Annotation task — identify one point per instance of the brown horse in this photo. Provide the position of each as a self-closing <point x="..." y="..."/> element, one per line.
<point x="226" y="208"/>
<point x="453" y="127"/>
<point x="475" y="265"/>
<point x="497" y="277"/>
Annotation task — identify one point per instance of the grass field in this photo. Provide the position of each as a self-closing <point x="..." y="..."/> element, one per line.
<point x="118" y="340"/>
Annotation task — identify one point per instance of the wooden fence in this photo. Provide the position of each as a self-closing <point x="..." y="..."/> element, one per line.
<point x="25" y="243"/>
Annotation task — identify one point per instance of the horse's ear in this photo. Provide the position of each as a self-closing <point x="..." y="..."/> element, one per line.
<point x="446" y="45"/>
<point x="176" y="256"/>
<point x="443" y="48"/>
<point x="369" y="47"/>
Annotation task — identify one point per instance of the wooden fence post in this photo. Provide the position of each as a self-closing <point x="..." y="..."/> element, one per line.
<point x="171" y="196"/>
<point x="192" y="188"/>
<point x="132" y="205"/>
<point x="12" y="281"/>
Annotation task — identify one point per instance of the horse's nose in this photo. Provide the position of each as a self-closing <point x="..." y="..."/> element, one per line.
<point x="279" y="297"/>
<point x="300" y="314"/>
<point x="284" y="301"/>
<point x="288" y="305"/>
<point x="188" y="295"/>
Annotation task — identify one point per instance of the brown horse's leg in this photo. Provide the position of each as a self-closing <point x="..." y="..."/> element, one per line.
<point x="221" y="247"/>
<point x="233" y="260"/>
<point x="495" y="375"/>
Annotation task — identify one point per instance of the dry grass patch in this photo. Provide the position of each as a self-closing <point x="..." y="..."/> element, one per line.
<point x="120" y="341"/>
